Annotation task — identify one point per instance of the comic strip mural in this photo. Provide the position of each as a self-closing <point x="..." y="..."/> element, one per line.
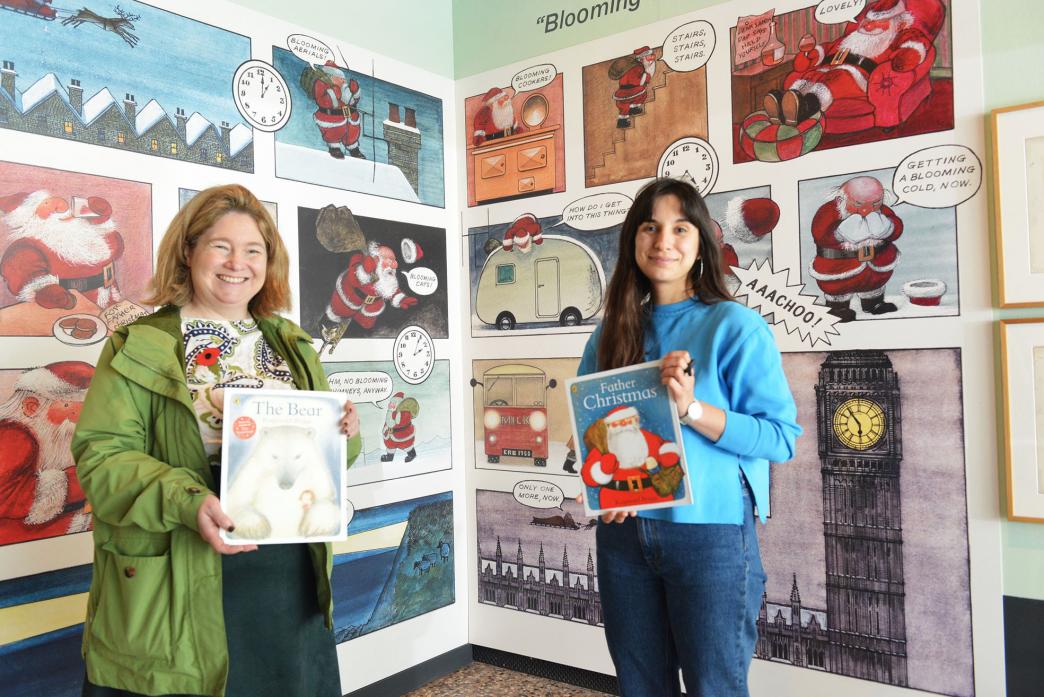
<point x="873" y="256"/>
<point x="744" y="220"/>
<point x="396" y="564"/>
<point x="636" y="105"/>
<point x="369" y="277"/>
<point x="42" y="619"/>
<point x="515" y="138"/>
<point x="405" y="427"/>
<point x="812" y="79"/>
<point x="75" y="253"/>
<point x="521" y="416"/>
<point x="186" y="195"/>
<point x="65" y="74"/>
<point x="866" y="574"/>
<point x="351" y="130"/>
<point x="39" y="494"/>
<point x="526" y="538"/>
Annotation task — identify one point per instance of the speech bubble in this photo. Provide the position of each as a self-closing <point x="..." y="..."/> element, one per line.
<point x="838" y="11"/>
<point x="309" y="49"/>
<point x="595" y="212"/>
<point x="538" y="494"/>
<point x="534" y="78"/>
<point x="937" y="177"/>
<point x="362" y="386"/>
<point x="771" y="293"/>
<point x="689" y="47"/>
<point x="422" y="280"/>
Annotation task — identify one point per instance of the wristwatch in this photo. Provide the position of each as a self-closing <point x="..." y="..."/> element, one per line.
<point x="693" y="413"/>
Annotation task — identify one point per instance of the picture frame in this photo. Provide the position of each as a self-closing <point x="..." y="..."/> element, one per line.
<point x="1022" y="385"/>
<point x="1018" y="180"/>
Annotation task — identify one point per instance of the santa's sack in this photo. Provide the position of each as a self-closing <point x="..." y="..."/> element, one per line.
<point x="620" y="66"/>
<point x="665" y="480"/>
<point x="309" y="76"/>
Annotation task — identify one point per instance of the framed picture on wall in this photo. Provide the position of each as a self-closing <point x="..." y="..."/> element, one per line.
<point x="1018" y="184"/>
<point x="1022" y="353"/>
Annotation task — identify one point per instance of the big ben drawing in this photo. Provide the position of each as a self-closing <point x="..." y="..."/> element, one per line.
<point x="860" y="449"/>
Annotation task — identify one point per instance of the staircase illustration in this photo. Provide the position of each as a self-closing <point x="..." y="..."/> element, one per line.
<point x="635" y="133"/>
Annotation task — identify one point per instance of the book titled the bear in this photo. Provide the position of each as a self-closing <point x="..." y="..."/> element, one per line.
<point x="627" y="434"/>
<point x="283" y="466"/>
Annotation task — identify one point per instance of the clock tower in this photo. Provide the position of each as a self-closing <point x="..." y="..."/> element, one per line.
<point x="860" y="448"/>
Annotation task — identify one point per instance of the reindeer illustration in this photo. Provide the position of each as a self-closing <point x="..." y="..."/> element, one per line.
<point x="117" y="25"/>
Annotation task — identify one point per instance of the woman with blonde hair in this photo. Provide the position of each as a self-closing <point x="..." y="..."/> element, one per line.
<point x="173" y="610"/>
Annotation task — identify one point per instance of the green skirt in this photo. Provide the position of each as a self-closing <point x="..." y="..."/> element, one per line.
<point x="278" y="644"/>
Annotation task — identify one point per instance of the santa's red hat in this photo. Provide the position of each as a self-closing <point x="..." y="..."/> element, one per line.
<point x="750" y="219"/>
<point x="331" y="68"/>
<point x="619" y="414"/>
<point x="885" y="9"/>
<point x="398" y="396"/>
<point x="493" y="93"/>
<point x="642" y="52"/>
<point x="59" y="380"/>
<point x="525" y="224"/>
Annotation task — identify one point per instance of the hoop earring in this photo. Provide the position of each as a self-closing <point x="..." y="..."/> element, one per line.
<point x="699" y="271"/>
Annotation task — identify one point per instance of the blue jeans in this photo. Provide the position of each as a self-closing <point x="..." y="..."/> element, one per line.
<point x="677" y="595"/>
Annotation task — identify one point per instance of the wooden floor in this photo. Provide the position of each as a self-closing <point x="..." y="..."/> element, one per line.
<point x="481" y="679"/>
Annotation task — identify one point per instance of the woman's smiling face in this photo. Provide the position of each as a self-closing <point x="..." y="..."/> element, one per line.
<point x="227" y="264"/>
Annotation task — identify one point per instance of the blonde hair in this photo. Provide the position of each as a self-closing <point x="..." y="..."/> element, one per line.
<point x="172" y="282"/>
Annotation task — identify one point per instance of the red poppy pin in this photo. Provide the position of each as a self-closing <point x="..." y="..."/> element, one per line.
<point x="207" y="357"/>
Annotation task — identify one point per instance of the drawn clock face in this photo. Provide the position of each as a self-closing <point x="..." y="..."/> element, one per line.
<point x="692" y="159"/>
<point x="414" y="354"/>
<point x="859" y="423"/>
<point x="262" y="96"/>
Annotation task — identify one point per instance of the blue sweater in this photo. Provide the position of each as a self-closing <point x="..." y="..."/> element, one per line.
<point x="737" y="369"/>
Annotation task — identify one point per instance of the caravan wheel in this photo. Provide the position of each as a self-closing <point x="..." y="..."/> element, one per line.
<point x="505" y="321"/>
<point x="570" y="317"/>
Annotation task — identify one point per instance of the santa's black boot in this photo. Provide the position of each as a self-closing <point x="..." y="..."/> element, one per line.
<point x="623" y="121"/>
<point x="387" y="457"/>
<point x="636" y="109"/>
<point x="810" y="106"/>
<point x="841" y="310"/>
<point x="410" y="454"/>
<point x="774" y="104"/>
<point x="337" y="153"/>
<point x="570" y="462"/>
<point x="356" y="153"/>
<point x="876" y="305"/>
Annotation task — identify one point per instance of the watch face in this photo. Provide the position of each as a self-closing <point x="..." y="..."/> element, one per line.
<point x="414" y="355"/>
<point x="262" y="95"/>
<point x="691" y="159"/>
<point x="859" y="423"/>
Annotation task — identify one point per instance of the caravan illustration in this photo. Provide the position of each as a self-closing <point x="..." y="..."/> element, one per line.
<point x="559" y="281"/>
<point x="514" y="418"/>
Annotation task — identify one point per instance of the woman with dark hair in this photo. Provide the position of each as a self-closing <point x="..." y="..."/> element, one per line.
<point x="173" y="610"/>
<point x="681" y="587"/>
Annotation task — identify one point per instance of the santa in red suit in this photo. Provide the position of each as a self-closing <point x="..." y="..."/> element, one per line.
<point x="523" y="233"/>
<point x="399" y="432"/>
<point x="620" y="456"/>
<point x="54" y="248"/>
<point x="39" y="493"/>
<point x="633" y="89"/>
<point x="885" y="32"/>
<point x="366" y="287"/>
<point x="855" y="252"/>
<point x="496" y="118"/>
<point x="337" y="115"/>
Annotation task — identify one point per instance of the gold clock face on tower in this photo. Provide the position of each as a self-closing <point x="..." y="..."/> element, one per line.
<point x="859" y="423"/>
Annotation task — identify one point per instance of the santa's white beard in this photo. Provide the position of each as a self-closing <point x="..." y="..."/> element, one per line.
<point x="856" y="230"/>
<point x="75" y="240"/>
<point x="503" y="116"/>
<point x="628" y="445"/>
<point x="650" y="68"/>
<point x="389" y="419"/>
<point x="524" y="244"/>
<point x="387" y="283"/>
<point x="870" y="45"/>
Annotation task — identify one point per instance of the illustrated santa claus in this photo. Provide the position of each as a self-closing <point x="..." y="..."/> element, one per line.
<point x="366" y="288"/>
<point x="855" y="233"/>
<point x="399" y="431"/>
<point x="621" y="455"/>
<point x="899" y="32"/>
<point x="496" y="118"/>
<point x="55" y="248"/>
<point x="633" y="89"/>
<point x="523" y="233"/>
<point x="337" y="115"/>
<point x="39" y="493"/>
<point x="746" y="221"/>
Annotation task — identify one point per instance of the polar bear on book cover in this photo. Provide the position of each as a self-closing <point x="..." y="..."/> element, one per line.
<point x="283" y="489"/>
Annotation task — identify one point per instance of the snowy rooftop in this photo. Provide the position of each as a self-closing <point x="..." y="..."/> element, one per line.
<point x="196" y="126"/>
<point x="403" y="126"/>
<point x="96" y="105"/>
<point x="41" y="89"/>
<point x="239" y="138"/>
<point x="149" y="116"/>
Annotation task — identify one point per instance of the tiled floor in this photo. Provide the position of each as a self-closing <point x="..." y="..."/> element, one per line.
<point x="482" y="680"/>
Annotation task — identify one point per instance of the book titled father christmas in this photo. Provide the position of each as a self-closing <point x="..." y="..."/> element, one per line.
<point x="627" y="434"/>
<point x="283" y="466"/>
